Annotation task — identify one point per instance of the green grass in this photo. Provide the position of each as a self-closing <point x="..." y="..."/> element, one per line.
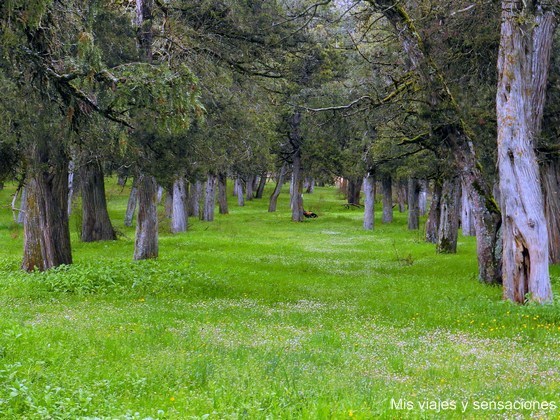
<point x="253" y="316"/>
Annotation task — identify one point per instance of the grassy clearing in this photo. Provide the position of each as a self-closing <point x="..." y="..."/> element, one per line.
<point x="252" y="316"/>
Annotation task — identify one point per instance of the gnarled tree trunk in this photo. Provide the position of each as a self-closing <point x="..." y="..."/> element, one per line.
<point x="296" y="198"/>
<point x="432" y="224"/>
<point x="524" y="40"/>
<point x="194" y="196"/>
<point x="277" y="189"/>
<point x="413" y="209"/>
<point x="249" y="187"/>
<point x="146" y="245"/>
<point x="96" y="224"/>
<point x="467" y="219"/>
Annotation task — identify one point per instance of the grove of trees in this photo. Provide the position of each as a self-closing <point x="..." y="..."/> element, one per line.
<point x="456" y="101"/>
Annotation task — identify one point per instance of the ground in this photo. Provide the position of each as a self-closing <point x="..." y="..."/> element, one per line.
<point x="253" y="316"/>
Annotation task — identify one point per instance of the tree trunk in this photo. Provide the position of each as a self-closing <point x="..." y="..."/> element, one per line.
<point x="296" y="199"/>
<point x="309" y="185"/>
<point x="277" y="189"/>
<point x="249" y="187"/>
<point x="71" y="168"/>
<point x="354" y="188"/>
<point x="262" y="184"/>
<point x="401" y="196"/>
<point x="179" y="219"/>
<point x="550" y="176"/>
<point x="222" y="193"/>
<point x="525" y="252"/>
<point x="146" y="245"/>
<point x="423" y="197"/>
<point x="169" y="202"/>
<point x="209" y="198"/>
<point x="387" y="189"/>
<point x="413" y="210"/>
<point x="449" y="217"/>
<point x="46" y="229"/>
<point x="194" y="197"/>
<point x="467" y="219"/>
<point x="96" y="224"/>
<point x="432" y="224"/>
<point x="239" y="189"/>
<point x="131" y="206"/>
<point x="23" y="206"/>
<point x="369" y="202"/>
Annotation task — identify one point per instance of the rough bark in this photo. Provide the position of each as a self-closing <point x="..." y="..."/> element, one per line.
<point x="432" y="224"/>
<point x="131" y="206"/>
<point x="296" y="199"/>
<point x="401" y="196"/>
<point x="525" y="235"/>
<point x="46" y="229"/>
<point x="209" y="198"/>
<point x="550" y="176"/>
<point x="262" y="184"/>
<point x="23" y="206"/>
<point x="179" y="219"/>
<point x="454" y="135"/>
<point x="423" y="197"/>
<point x="195" y="195"/>
<point x="239" y="189"/>
<point x="71" y="167"/>
<point x="96" y="224"/>
<point x="467" y="218"/>
<point x="369" y="202"/>
<point x="413" y="209"/>
<point x="279" y="183"/>
<point x="222" y="193"/>
<point x="146" y="245"/>
<point x="387" y="191"/>
<point x="449" y="217"/>
<point x="249" y="192"/>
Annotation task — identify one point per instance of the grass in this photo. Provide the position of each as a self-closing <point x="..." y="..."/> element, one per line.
<point x="253" y="316"/>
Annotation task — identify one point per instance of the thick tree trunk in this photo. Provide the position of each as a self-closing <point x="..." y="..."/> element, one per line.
<point x="432" y="224"/>
<point x="46" y="230"/>
<point x="550" y="176"/>
<point x="296" y="199"/>
<point x="169" y="203"/>
<point x="486" y="213"/>
<point x="209" y="198"/>
<point x="179" y="219"/>
<point x="413" y="210"/>
<point x="239" y="189"/>
<point x="22" y="206"/>
<point x="195" y="195"/>
<point x="310" y="187"/>
<point x="401" y="196"/>
<point x="279" y="183"/>
<point x="249" y="187"/>
<point x="467" y="218"/>
<point x="146" y="245"/>
<point x="449" y="217"/>
<point x="387" y="190"/>
<point x="369" y="202"/>
<point x="131" y="206"/>
<point x="354" y="188"/>
<point x="525" y="235"/>
<point x="222" y="193"/>
<point x="96" y="224"/>
<point x="262" y="184"/>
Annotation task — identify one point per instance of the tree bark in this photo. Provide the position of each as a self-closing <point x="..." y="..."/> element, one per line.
<point x="387" y="190"/>
<point x="239" y="189"/>
<point x="310" y="188"/>
<point x="296" y="198"/>
<point x="131" y="206"/>
<point x="550" y="176"/>
<point x="146" y="245"/>
<point x="179" y="219"/>
<point x="369" y="202"/>
<point x="279" y="183"/>
<point x="222" y="193"/>
<point x="449" y="217"/>
<point x="194" y="197"/>
<point x="96" y="224"/>
<point x="23" y="206"/>
<point x="46" y="229"/>
<point x="401" y="196"/>
<point x="413" y="210"/>
<point x="169" y="202"/>
<point x="423" y="197"/>
<point x="71" y="168"/>
<point x="262" y="184"/>
<point x="249" y="187"/>
<point x="432" y="224"/>
<point x="209" y="198"/>
<point x="525" y="246"/>
<point x="467" y="219"/>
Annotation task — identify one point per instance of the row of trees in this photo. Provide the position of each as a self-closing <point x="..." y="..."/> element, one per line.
<point x="185" y="94"/>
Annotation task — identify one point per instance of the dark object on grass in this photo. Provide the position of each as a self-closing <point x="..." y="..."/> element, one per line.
<point x="309" y="214"/>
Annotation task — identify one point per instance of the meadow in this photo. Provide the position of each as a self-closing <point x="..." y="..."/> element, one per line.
<point x="253" y="316"/>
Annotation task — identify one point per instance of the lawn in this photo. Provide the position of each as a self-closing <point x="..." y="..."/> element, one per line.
<point x="253" y="316"/>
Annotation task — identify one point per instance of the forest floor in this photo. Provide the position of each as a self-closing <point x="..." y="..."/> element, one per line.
<point x="253" y="316"/>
